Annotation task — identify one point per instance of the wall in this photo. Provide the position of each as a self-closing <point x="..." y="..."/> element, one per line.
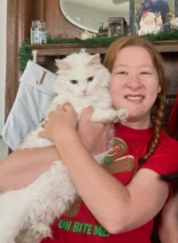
<point x="3" y="8"/>
<point x="91" y="18"/>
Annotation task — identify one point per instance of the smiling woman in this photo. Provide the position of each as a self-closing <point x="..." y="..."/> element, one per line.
<point x="89" y="14"/>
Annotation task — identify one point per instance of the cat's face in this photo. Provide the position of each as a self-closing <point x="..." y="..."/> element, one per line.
<point x="81" y="74"/>
<point x="81" y="81"/>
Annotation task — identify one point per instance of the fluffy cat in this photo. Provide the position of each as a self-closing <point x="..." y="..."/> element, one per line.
<point x="82" y="81"/>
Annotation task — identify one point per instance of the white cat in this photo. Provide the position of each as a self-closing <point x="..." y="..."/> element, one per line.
<point x="82" y="81"/>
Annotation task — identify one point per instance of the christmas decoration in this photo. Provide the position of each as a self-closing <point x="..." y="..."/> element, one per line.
<point x="25" y="52"/>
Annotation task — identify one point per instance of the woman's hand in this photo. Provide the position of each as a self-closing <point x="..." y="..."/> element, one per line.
<point x="63" y="118"/>
<point x="95" y="136"/>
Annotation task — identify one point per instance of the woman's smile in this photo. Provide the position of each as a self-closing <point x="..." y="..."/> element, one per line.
<point x="137" y="98"/>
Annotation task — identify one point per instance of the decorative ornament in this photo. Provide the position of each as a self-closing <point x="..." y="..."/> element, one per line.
<point x="174" y="23"/>
<point x="87" y="35"/>
<point x="147" y="23"/>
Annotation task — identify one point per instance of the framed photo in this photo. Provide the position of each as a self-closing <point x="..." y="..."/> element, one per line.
<point x="117" y="26"/>
<point x="151" y="16"/>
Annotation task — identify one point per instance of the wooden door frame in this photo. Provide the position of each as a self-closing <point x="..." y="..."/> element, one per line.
<point x="20" y="13"/>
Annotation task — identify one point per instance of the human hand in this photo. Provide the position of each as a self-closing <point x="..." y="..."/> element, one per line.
<point x="95" y="136"/>
<point x="59" y="121"/>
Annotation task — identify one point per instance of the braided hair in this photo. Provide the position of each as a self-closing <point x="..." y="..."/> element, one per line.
<point x="157" y="109"/>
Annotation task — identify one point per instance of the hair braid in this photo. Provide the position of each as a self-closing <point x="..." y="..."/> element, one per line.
<point x="157" y="120"/>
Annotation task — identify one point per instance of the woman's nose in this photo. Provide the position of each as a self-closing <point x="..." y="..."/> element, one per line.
<point x="134" y="82"/>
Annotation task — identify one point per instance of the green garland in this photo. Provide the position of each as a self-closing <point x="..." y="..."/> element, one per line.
<point x="25" y="53"/>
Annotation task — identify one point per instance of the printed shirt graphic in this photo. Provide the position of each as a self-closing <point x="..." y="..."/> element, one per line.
<point x="78" y="225"/>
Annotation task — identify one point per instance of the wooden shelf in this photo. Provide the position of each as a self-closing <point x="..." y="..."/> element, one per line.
<point x="166" y="46"/>
<point x="66" y="49"/>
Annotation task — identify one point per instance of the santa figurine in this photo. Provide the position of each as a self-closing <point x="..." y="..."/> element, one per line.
<point x="147" y="23"/>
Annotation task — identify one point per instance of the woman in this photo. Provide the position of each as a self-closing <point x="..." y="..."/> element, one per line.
<point x="118" y="207"/>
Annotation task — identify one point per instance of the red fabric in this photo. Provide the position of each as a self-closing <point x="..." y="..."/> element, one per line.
<point x="83" y="228"/>
<point x="173" y="119"/>
<point x="164" y="160"/>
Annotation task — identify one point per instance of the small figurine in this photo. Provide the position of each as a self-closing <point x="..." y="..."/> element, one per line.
<point x="159" y="20"/>
<point x="147" y="23"/>
<point x="102" y="31"/>
<point x="87" y="35"/>
<point x="174" y="23"/>
<point x="101" y="27"/>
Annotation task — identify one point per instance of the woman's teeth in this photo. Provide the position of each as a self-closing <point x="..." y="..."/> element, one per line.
<point x="134" y="97"/>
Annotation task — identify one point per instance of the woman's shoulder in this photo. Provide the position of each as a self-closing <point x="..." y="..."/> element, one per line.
<point x="168" y="142"/>
<point x="164" y="159"/>
<point x="167" y="147"/>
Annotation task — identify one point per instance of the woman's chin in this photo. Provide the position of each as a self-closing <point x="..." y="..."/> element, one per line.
<point x="138" y="121"/>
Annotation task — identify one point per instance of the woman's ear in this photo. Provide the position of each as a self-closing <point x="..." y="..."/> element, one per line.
<point x="159" y="89"/>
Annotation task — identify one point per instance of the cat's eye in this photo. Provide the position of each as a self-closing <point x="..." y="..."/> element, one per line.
<point x="73" y="81"/>
<point x="90" y="79"/>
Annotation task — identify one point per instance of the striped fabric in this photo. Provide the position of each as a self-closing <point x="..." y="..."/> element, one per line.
<point x="38" y="78"/>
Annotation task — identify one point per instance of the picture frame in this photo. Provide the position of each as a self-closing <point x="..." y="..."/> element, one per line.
<point x="145" y="19"/>
<point x="117" y="26"/>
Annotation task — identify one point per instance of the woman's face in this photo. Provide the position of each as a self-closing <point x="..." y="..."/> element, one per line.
<point x="134" y="84"/>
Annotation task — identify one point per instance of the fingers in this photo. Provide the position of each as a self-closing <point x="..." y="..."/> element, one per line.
<point x="42" y="134"/>
<point x="51" y="113"/>
<point x="68" y="107"/>
<point x="86" y="113"/>
<point x="108" y="127"/>
<point x="59" y="109"/>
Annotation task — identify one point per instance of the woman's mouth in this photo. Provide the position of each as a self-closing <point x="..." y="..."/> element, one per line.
<point x="134" y="97"/>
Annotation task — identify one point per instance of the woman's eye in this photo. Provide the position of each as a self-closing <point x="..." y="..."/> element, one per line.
<point x="122" y="73"/>
<point x="90" y="79"/>
<point x="73" y="81"/>
<point x="144" y="73"/>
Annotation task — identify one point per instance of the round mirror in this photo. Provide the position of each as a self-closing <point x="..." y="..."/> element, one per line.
<point x="89" y="14"/>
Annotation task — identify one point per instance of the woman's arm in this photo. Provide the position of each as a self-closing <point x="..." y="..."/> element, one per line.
<point x="22" y="167"/>
<point x="168" y="231"/>
<point x="116" y="207"/>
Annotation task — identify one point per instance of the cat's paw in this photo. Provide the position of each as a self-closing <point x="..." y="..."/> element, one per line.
<point x="36" y="233"/>
<point x="41" y="230"/>
<point x="122" y="115"/>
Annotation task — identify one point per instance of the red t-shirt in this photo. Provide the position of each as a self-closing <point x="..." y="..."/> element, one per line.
<point x="79" y="225"/>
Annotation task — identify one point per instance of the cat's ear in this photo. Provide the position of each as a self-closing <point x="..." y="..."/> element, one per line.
<point x="95" y="59"/>
<point x="62" y="65"/>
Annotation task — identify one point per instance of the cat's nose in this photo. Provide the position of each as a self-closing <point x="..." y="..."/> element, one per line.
<point x="84" y="91"/>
